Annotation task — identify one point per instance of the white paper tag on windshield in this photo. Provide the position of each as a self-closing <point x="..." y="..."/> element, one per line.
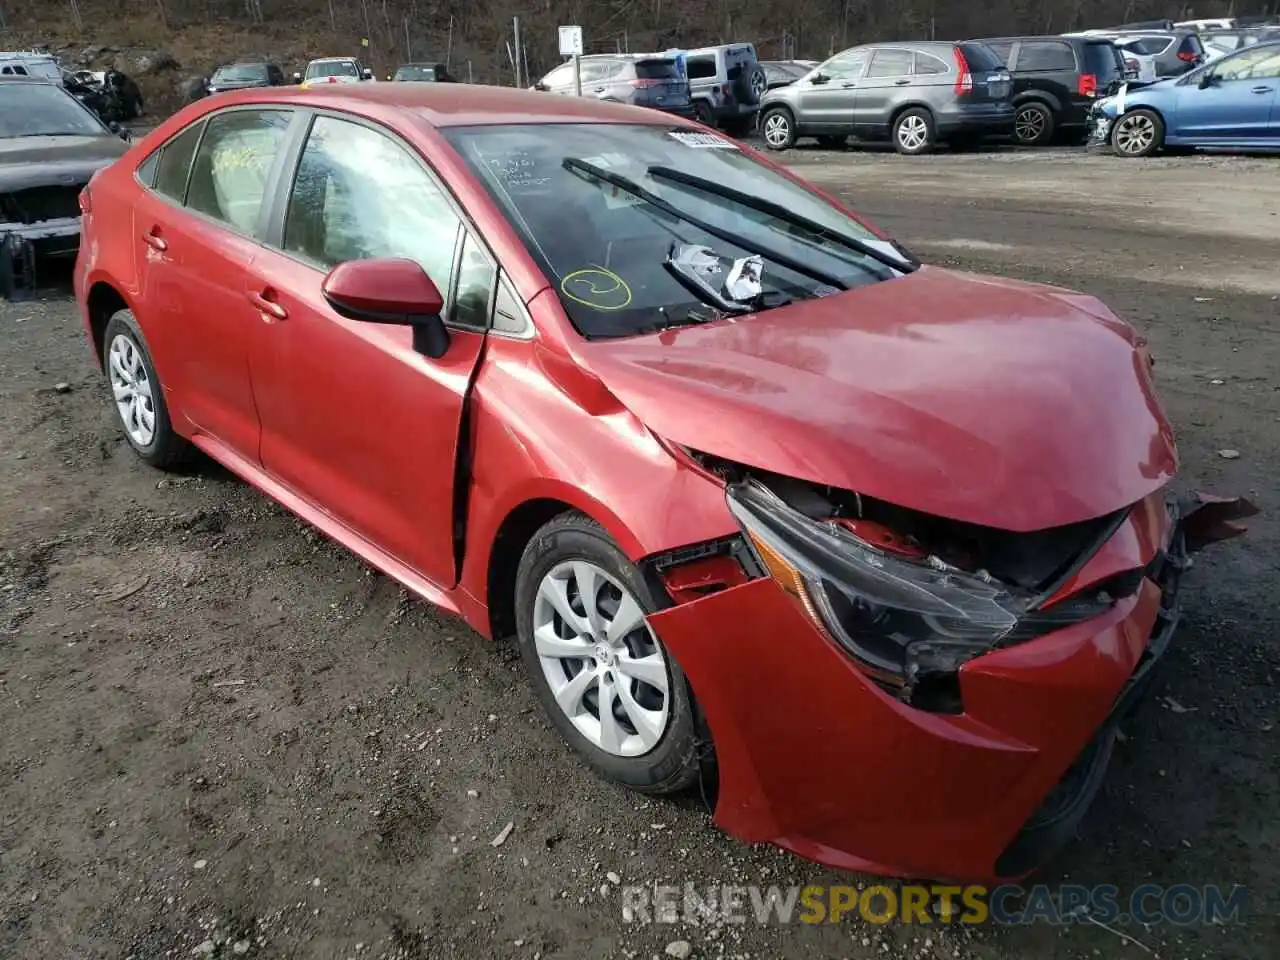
<point x="702" y="141"/>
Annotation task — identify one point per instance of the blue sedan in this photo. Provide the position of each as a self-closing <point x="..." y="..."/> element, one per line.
<point x="1233" y="102"/>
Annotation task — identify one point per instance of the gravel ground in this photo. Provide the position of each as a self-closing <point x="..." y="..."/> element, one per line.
<point x="221" y="735"/>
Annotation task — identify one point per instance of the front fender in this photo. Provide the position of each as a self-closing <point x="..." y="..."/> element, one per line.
<point x="533" y="442"/>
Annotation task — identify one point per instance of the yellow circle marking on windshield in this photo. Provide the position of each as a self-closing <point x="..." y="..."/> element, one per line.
<point x="597" y="288"/>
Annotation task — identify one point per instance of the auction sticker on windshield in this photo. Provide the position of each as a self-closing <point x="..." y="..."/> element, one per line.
<point x="702" y="141"/>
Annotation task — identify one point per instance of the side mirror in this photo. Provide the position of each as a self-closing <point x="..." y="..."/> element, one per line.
<point x="819" y="78"/>
<point x="1207" y="79"/>
<point x="297" y="78"/>
<point x="390" y="290"/>
<point x="119" y="131"/>
<point x="541" y="86"/>
<point x="367" y="74"/>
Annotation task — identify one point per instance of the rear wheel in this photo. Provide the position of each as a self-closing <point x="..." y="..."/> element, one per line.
<point x="913" y="132"/>
<point x="702" y="112"/>
<point x="1033" y="124"/>
<point x="139" y="396"/>
<point x="778" y="129"/>
<point x="1138" y="133"/>
<point x="601" y="673"/>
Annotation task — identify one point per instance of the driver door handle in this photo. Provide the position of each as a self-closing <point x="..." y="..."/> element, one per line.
<point x="848" y="86"/>
<point x="1261" y="89"/>
<point x="901" y="83"/>
<point x="155" y="241"/>
<point x="269" y="308"/>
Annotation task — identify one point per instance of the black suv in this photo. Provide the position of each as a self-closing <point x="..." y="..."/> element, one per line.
<point x="1056" y="81"/>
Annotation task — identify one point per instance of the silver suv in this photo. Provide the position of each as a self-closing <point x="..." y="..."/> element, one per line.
<point x="726" y="84"/>
<point x="642" y="80"/>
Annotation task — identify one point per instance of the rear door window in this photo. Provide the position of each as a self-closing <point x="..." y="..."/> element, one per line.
<point x="891" y="63"/>
<point x="1046" y="55"/>
<point x="175" y="163"/>
<point x="232" y="167"/>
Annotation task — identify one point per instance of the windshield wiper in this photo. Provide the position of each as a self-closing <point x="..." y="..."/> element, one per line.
<point x="906" y="264"/>
<point x="574" y="165"/>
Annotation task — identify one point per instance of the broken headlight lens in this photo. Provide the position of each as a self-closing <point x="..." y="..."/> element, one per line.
<point x="902" y="619"/>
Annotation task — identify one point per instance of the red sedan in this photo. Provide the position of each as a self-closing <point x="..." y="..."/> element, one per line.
<point x="874" y="552"/>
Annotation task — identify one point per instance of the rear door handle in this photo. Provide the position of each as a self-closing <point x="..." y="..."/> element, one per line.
<point x="155" y="241"/>
<point x="1261" y="89"/>
<point x="901" y="83"/>
<point x="269" y="308"/>
<point x="848" y="86"/>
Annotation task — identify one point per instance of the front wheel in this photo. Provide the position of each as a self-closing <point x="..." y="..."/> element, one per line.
<point x="603" y="676"/>
<point x="778" y="129"/>
<point x="913" y="132"/>
<point x="1139" y="133"/>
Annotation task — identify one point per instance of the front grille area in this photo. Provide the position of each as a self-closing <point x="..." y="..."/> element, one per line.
<point x="36" y="204"/>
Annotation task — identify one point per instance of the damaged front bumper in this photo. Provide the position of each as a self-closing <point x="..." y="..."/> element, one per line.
<point x="815" y="757"/>
<point x="24" y="246"/>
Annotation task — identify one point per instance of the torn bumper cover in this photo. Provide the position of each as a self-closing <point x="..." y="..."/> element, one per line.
<point x="23" y="246"/>
<point x="818" y="757"/>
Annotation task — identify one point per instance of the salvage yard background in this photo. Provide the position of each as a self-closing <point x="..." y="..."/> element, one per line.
<point x="167" y="45"/>
<point x="221" y="733"/>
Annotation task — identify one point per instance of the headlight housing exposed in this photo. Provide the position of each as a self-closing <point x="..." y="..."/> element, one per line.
<point x="906" y="620"/>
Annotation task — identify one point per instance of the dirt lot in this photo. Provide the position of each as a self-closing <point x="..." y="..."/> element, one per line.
<point x="218" y="729"/>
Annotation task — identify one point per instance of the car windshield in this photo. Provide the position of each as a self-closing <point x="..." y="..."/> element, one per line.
<point x="44" y="110"/>
<point x="668" y="225"/>
<point x="415" y="73"/>
<point x="241" y="73"/>
<point x="332" y="68"/>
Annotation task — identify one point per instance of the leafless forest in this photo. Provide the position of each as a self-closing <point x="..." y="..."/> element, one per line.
<point x="479" y="36"/>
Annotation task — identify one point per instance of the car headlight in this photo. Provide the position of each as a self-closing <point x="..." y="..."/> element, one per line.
<point x="903" y="618"/>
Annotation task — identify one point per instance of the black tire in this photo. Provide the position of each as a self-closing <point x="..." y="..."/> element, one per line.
<point x="920" y="123"/>
<point x="1033" y="124"/>
<point x="1124" y="133"/>
<point x="832" y="142"/>
<point x="703" y="113"/>
<point x="167" y="449"/>
<point x="778" y="123"/>
<point x="674" y="763"/>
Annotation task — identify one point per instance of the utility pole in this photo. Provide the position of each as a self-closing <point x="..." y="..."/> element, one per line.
<point x="515" y="23"/>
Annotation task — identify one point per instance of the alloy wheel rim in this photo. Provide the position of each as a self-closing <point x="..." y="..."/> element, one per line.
<point x="132" y="390"/>
<point x="776" y="129"/>
<point x="1135" y="134"/>
<point x="601" y="659"/>
<point x="1029" y="125"/>
<point x="913" y="133"/>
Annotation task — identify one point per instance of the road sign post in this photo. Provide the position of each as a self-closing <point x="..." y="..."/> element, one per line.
<point x="571" y="46"/>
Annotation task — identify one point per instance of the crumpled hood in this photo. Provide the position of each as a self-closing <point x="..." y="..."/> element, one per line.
<point x="990" y="401"/>
<point x="50" y="161"/>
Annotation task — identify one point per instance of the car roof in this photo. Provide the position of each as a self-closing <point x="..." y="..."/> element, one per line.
<point x="459" y="105"/>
